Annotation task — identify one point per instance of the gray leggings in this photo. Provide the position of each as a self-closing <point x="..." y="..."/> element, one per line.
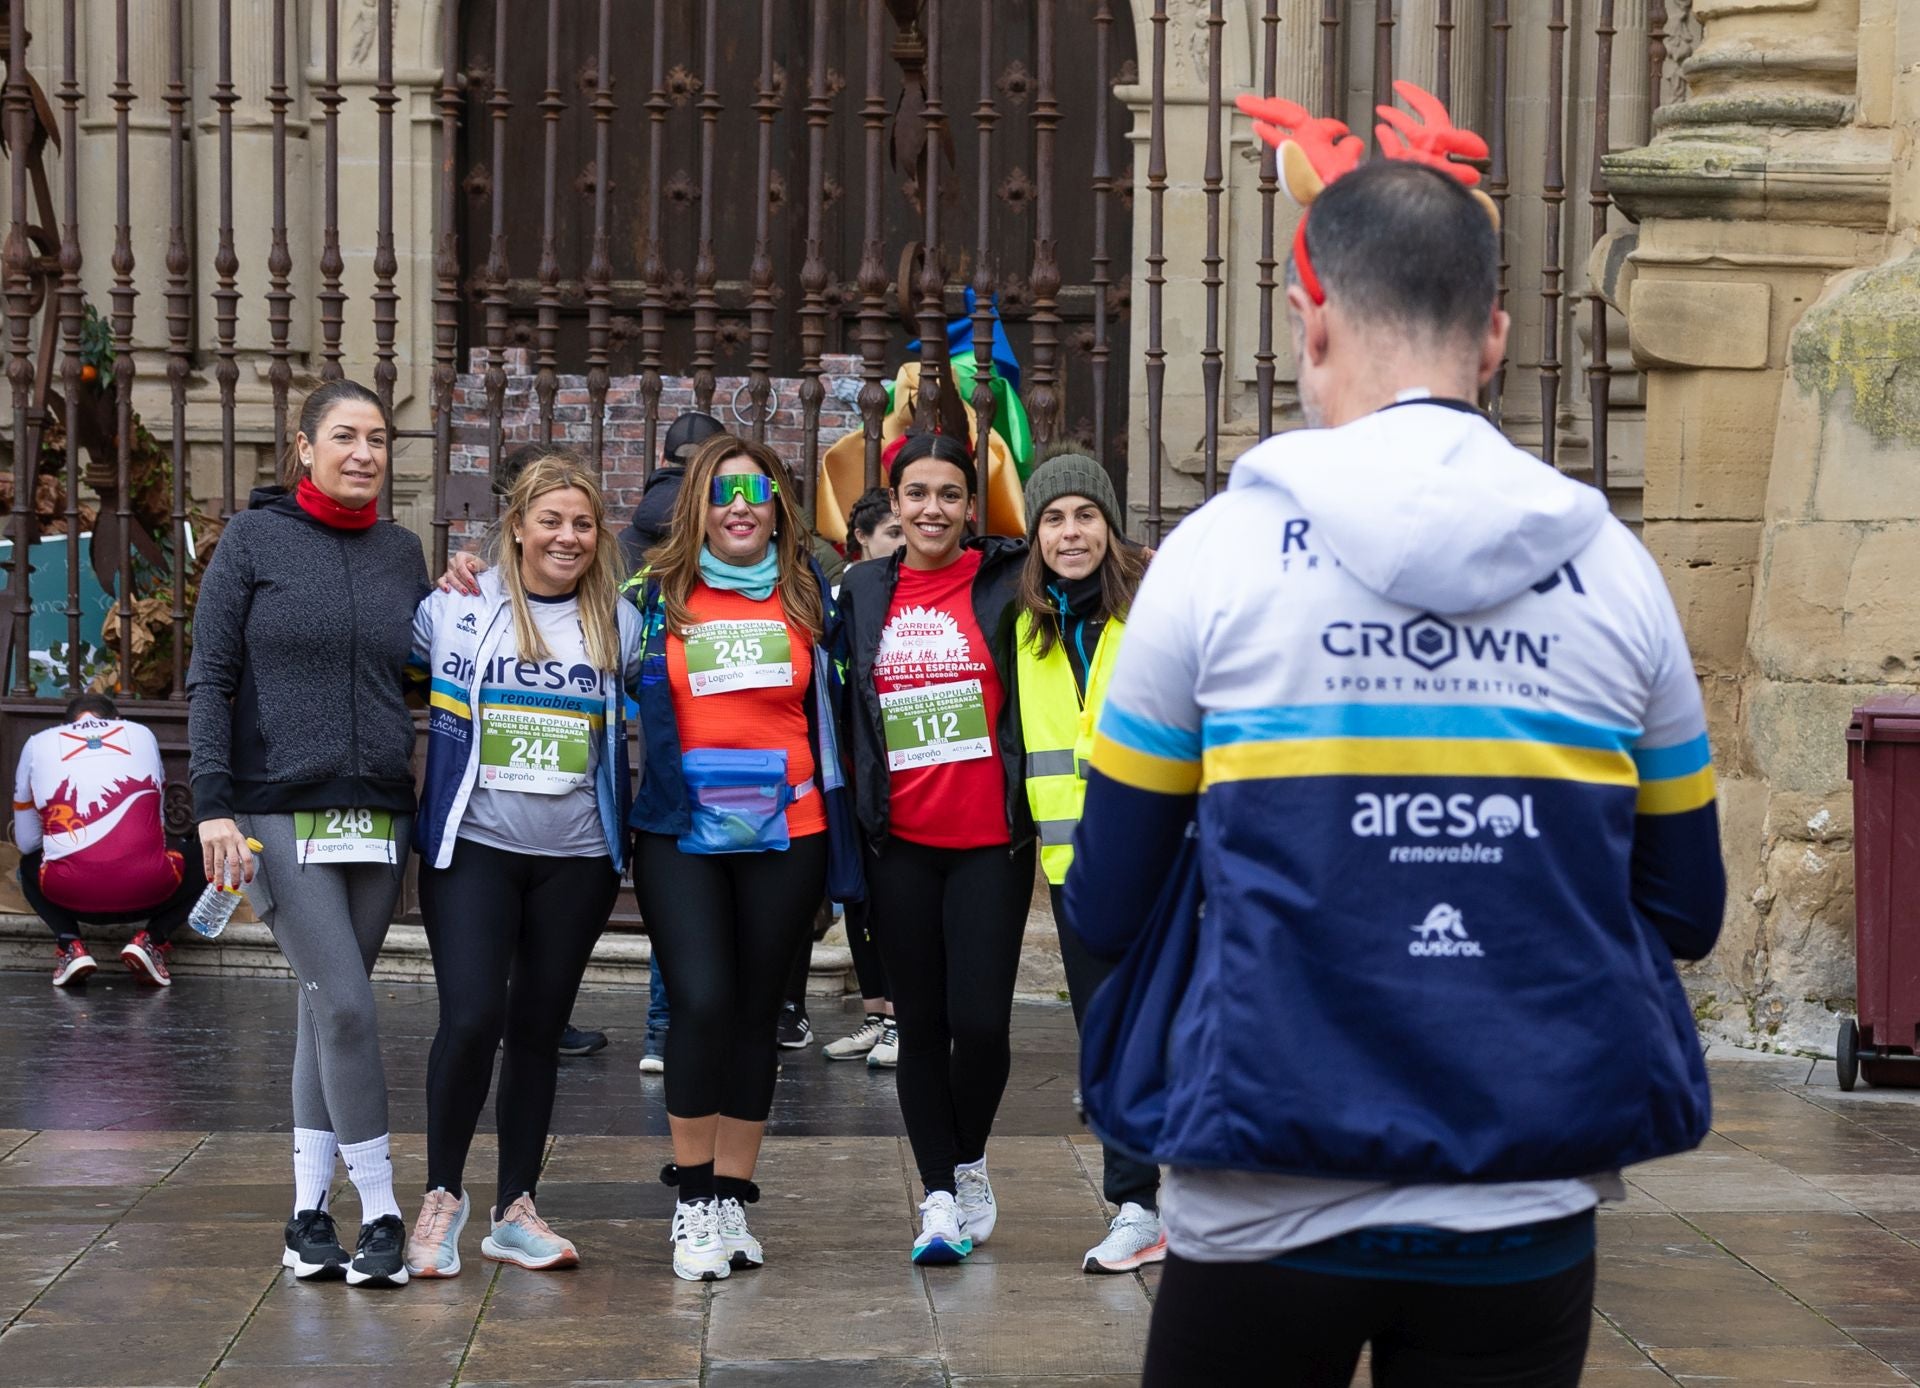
<point x="330" y="921"/>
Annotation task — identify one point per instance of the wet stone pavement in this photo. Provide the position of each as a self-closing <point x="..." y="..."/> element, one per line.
<point x="144" y="1182"/>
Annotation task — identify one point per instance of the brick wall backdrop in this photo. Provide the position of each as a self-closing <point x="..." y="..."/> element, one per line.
<point x="623" y="464"/>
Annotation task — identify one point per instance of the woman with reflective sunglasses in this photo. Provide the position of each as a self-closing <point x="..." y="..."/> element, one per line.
<point x="738" y="697"/>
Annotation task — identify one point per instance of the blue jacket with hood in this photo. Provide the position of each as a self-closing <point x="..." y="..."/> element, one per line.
<point x="1430" y="711"/>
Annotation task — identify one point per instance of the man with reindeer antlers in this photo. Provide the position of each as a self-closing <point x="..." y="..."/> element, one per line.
<point x="1399" y="813"/>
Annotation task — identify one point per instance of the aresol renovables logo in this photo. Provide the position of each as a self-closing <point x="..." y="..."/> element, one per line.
<point x="1459" y="829"/>
<point x="1431" y="642"/>
<point x="1443" y="935"/>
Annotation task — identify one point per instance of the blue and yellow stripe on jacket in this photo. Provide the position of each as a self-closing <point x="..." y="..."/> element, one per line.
<point x="445" y="694"/>
<point x="1675" y="780"/>
<point x="1442" y="740"/>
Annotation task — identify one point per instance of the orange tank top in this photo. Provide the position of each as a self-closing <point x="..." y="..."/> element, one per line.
<point x="740" y="677"/>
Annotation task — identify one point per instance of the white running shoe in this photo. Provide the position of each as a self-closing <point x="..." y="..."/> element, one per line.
<point x="860" y="1042"/>
<point x="699" y="1253"/>
<point x="743" y="1249"/>
<point x="978" y="1213"/>
<point x="886" y="1051"/>
<point x="941" y="1240"/>
<point x="1133" y="1240"/>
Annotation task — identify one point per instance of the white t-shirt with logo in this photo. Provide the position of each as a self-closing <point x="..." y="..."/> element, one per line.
<point x="558" y="696"/>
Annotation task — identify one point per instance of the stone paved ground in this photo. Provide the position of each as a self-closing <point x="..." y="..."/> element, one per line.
<point x="143" y="1185"/>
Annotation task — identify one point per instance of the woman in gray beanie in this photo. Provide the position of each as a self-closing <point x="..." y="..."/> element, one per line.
<point x="1080" y="577"/>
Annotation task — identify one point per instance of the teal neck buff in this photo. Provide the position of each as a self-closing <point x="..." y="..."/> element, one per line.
<point x="755" y="580"/>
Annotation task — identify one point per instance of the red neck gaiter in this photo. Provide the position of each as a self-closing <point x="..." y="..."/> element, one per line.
<point x="327" y="511"/>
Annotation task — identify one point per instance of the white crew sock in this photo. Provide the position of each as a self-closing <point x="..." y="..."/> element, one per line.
<point x="371" y="1169"/>
<point x="313" y="1151"/>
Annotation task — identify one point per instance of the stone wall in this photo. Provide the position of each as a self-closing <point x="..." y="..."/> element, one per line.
<point x="1772" y="300"/>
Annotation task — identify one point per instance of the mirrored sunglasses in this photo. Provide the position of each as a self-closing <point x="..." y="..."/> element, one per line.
<point x="755" y="488"/>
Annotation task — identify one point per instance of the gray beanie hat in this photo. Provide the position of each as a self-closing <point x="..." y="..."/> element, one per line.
<point x="1072" y="474"/>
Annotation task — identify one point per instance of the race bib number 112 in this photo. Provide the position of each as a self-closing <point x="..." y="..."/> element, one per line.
<point x="935" y="724"/>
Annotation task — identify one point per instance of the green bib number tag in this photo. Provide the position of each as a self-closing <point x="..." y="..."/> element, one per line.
<point x="343" y="836"/>
<point x="533" y="751"/>
<point x="935" y="724"/>
<point x="725" y="656"/>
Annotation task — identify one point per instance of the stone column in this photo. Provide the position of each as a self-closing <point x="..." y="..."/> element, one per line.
<point x="1416" y="54"/>
<point x="1769" y="179"/>
<point x="1836" y="610"/>
<point x="253" y="70"/>
<point x="147" y="40"/>
<point x="1297" y="77"/>
<point x="1185" y="304"/>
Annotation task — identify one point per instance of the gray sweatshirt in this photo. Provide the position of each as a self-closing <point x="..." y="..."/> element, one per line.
<point x="300" y="644"/>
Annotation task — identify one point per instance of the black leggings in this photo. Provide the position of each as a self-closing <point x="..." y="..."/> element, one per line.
<point x="863" y="944"/>
<point x="1255" y="1323"/>
<point x="511" y="935"/>
<point x="725" y="928"/>
<point x="950" y="923"/>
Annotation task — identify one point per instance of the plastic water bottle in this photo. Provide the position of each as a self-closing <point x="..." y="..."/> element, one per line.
<point x="218" y="902"/>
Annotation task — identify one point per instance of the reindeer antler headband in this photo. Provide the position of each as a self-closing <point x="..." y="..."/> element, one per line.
<point x="1315" y="150"/>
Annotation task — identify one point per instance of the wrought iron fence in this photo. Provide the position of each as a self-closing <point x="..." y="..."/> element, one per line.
<point x="910" y="144"/>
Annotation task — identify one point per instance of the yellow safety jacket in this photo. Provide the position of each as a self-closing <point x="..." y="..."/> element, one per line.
<point x="1057" y="729"/>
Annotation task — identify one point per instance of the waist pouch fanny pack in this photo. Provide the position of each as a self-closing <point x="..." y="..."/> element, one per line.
<point x="739" y="800"/>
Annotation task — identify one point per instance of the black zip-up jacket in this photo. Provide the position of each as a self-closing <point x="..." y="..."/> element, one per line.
<point x="866" y="594"/>
<point x="296" y="694"/>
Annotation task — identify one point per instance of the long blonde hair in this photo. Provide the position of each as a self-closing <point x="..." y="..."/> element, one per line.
<point x="676" y="562"/>
<point x="552" y="470"/>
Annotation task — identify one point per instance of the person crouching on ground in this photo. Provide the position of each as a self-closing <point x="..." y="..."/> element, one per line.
<point x="522" y="836"/>
<point x="87" y="820"/>
<point x="738" y="798"/>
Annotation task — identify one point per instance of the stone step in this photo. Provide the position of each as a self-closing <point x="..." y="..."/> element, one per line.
<point x="246" y="949"/>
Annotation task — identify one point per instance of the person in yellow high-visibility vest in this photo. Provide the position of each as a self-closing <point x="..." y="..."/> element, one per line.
<point x="1080" y="578"/>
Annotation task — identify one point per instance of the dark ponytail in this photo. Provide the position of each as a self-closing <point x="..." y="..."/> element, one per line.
<point x="320" y="403"/>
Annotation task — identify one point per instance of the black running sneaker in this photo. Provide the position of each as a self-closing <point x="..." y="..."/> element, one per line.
<point x="794" y="1031"/>
<point x="313" y="1247"/>
<point x="575" y="1041"/>
<point x="380" y="1260"/>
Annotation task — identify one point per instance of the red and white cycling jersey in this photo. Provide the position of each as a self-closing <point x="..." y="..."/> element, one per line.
<point x="88" y="794"/>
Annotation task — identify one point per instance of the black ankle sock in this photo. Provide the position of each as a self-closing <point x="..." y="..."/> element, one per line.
<point x="736" y="1188"/>
<point x="696" y="1182"/>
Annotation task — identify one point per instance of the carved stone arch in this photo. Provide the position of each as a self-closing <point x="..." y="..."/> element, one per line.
<point x="418" y="41"/>
<point x="1187" y="43"/>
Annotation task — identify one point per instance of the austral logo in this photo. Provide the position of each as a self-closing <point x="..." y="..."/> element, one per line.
<point x="1443" y="935"/>
<point x="1431" y="642"/>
